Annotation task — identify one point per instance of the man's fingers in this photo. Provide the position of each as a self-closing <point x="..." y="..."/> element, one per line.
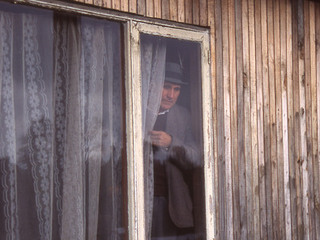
<point x="160" y="138"/>
<point x="156" y="133"/>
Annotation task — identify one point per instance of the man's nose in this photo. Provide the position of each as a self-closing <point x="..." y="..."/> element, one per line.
<point x="170" y="93"/>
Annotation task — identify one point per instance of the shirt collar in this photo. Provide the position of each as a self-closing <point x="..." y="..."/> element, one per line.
<point x="163" y="112"/>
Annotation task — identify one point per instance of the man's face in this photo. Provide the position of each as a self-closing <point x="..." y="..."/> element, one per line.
<point x="170" y="94"/>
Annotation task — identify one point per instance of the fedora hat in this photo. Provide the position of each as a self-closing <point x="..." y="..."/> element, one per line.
<point x="174" y="73"/>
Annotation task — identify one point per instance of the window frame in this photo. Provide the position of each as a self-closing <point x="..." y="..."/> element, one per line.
<point x="137" y="177"/>
<point x="133" y="26"/>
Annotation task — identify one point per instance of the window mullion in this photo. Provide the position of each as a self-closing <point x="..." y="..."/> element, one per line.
<point x="135" y="138"/>
<point x="208" y="139"/>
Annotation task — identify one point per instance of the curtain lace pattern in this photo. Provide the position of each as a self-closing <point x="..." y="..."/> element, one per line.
<point x="8" y="154"/>
<point x="60" y="126"/>
<point x="153" y="56"/>
<point x="39" y="134"/>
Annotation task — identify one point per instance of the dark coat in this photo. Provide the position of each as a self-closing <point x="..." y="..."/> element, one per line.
<point x="183" y="155"/>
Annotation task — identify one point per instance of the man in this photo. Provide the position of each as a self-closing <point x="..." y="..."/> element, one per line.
<point x="175" y="154"/>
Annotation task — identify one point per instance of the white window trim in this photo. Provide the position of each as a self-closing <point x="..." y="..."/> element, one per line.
<point x="136" y="136"/>
<point x="134" y="25"/>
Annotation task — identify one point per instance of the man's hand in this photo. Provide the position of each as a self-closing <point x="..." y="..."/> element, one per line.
<point x="160" y="138"/>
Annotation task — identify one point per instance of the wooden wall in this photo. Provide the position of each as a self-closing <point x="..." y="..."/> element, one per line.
<point x="267" y="60"/>
<point x="266" y="85"/>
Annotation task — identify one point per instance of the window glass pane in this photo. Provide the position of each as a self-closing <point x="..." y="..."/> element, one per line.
<point x="61" y="126"/>
<point x="172" y="123"/>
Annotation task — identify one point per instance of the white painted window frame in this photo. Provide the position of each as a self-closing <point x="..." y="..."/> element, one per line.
<point x="134" y="25"/>
<point x="137" y="177"/>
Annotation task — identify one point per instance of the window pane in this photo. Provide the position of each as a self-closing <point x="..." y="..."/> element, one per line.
<point x="172" y="123"/>
<point x="61" y="126"/>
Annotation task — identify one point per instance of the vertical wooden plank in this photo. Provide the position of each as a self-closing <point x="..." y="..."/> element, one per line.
<point x="98" y="3"/>
<point x="115" y="4"/>
<point x="273" y="130"/>
<point x="308" y="117"/>
<point x="107" y="3"/>
<point x="296" y="189"/>
<point x="133" y="6"/>
<point x="165" y="9"/>
<point x="292" y="85"/>
<point x="313" y="117"/>
<point x="212" y="24"/>
<point x="157" y="8"/>
<point x="195" y="12"/>
<point x="277" y="42"/>
<point x="181" y="11"/>
<point x="317" y="21"/>
<point x="203" y="9"/>
<point x="173" y="10"/>
<point x="315" y="11"/>
<point x="261" y="174"/>
<point x="242" y="203"/>
<point x="149" y="8"/>
<point x="253" y="121"/>
<point x="284" y="91"/>
<point x="291" y="130"/>
<point x="227" y="121"/>
<point x="220" y="123"/>
<point x="88" y="1"/>
<point x="141" y="7"/>
<point x="234" y="120"/>
<point x="266" y="122"/>
<point x="290" y="107"/>
<point x="125" y="5"/>
<point x="303" y="127"/>
<point x="188" y="10"/>
<point x="247" y="120"/>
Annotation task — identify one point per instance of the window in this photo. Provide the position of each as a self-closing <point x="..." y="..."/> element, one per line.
<point x="80" y="98"/>
<point x="153" y="48"/>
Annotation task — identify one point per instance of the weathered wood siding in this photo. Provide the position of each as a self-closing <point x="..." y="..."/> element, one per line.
<point x="266" y="85"/>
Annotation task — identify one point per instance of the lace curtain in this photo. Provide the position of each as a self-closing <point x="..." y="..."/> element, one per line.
<point x="60" y="127"/>
<point x="153" y="57"/>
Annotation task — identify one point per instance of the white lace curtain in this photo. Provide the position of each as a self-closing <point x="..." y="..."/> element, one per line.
<point x="60" y="127"/>
<point x="153" y="58"/>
